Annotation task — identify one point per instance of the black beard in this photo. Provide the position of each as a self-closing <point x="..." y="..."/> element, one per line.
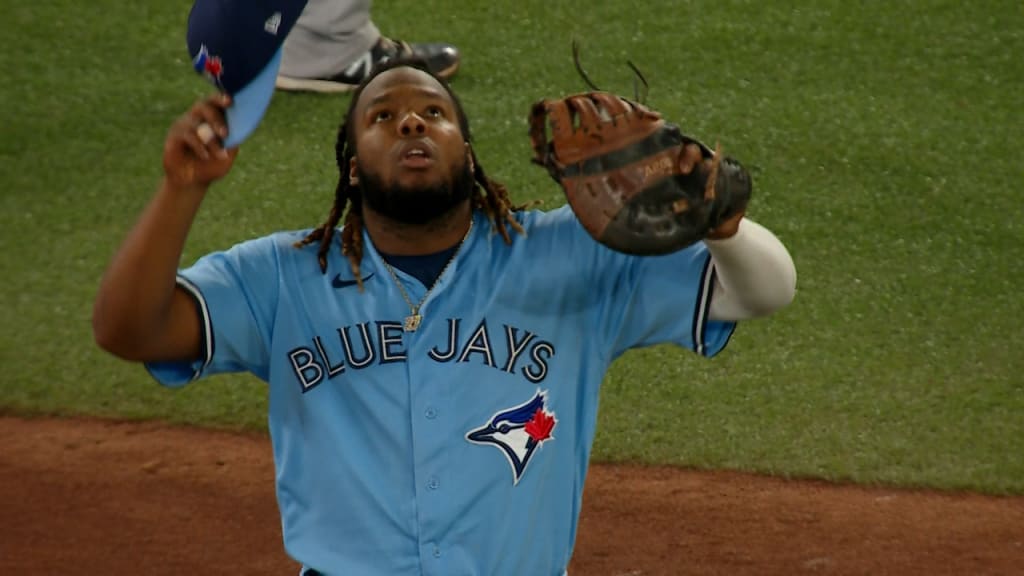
<point x="416" y="206"/>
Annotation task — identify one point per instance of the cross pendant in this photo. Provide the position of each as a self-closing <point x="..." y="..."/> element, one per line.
<point x="412" y="322"/>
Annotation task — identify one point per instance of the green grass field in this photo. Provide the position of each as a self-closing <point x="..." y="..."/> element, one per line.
<point x="882" y="137"/>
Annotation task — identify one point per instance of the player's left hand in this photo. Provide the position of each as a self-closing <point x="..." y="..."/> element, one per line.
<point x="636" y="183"/>
<point x="726" y="229"/>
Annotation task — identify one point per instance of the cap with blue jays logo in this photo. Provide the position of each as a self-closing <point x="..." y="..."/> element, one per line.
<point x="236" y="45"/>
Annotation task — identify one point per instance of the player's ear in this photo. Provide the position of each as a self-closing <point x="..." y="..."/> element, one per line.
<point x="353" y="172"/>
<point x="469" y="158"/>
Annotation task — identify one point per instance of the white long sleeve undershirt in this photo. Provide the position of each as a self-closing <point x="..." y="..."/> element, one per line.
<point x="755" y="274"/>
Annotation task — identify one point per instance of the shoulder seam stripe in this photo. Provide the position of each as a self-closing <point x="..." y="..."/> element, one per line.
<point x="207" y="325"/>
<point x="703" y="307"/>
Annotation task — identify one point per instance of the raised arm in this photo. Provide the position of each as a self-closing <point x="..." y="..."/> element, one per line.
<point x="755" y="274"/>
<point x="139" y="313"/>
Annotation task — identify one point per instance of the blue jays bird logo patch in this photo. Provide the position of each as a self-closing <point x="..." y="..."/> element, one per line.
<point x="209" y="66"/>
<point x="518" y="432"/>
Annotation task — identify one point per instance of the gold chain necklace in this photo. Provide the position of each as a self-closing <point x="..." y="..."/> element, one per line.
<point x="412" y="321"/>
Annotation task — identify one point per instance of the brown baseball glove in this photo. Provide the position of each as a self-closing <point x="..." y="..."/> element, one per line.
<point x="636" y="183"/>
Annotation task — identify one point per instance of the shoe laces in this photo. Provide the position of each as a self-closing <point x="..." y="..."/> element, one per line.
<point x="394" y="48"/>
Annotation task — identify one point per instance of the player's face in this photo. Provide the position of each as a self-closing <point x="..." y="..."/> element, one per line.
<point x="411" y="157"/>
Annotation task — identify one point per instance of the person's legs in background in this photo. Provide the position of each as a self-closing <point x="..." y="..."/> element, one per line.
<point x="335" y="43"/>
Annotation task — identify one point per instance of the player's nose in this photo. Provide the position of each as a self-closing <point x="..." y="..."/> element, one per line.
<point x="412" y="125"/>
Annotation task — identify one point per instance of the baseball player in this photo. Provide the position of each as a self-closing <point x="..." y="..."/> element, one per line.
<point x="434" y="364"/>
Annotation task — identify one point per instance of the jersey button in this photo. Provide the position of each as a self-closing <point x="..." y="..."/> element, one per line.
<point x="433" y="483"/>
<point x="430" y="413"/>
<point x="437" y="552"/>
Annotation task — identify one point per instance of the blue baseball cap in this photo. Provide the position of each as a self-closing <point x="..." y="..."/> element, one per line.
<point x="236" y="45"/>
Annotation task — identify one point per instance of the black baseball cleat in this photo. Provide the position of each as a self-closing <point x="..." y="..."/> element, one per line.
<point x="442" y="59"/>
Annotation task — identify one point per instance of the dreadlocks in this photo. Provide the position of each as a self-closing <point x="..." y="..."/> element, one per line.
<point x="490" y="196"/>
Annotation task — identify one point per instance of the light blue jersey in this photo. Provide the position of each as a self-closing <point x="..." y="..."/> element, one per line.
<point x="460" y="448"/>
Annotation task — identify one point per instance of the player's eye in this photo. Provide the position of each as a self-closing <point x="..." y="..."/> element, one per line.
<point x="434" y="112"/>
<point x="382" y="116"/>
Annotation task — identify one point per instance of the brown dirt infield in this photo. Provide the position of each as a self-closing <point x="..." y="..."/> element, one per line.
<point x="96" y="497"/>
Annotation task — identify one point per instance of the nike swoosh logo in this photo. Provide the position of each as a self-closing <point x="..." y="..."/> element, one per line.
<point x="339" y="283"/>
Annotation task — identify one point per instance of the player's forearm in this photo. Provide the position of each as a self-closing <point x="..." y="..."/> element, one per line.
<point x="755" y="274"/>
<point x="135" y="295"/>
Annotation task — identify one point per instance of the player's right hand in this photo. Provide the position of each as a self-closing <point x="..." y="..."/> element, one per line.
<point x="193" y="154"/>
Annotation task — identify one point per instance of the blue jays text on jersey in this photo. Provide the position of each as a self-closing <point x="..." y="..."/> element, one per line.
<point x="461" y="448"/>
<point x="510" y="349"/>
